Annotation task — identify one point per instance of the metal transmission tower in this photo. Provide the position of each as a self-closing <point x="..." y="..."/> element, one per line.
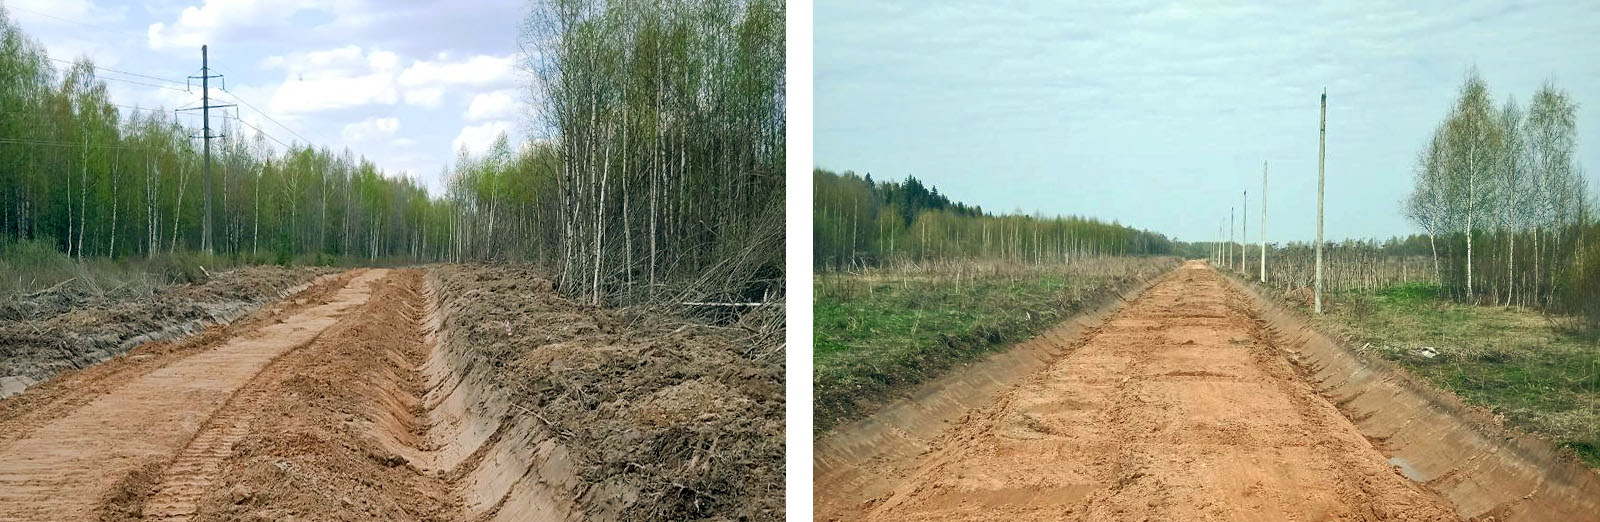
<point x="205" y="126"/>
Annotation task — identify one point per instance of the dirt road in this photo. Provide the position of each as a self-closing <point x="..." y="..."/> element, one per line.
<point x="69" y="456"/>
<point x="1176" y="408"/>
<point x="445" y="393"/>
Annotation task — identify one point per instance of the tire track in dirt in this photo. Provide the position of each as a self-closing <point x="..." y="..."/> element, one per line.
<point x="62" y="469"/>
<point x="195" y="471"/>
<point x="53" y="399"/>
<point x="337" y="430"/>
<point x="1177" y="408"/>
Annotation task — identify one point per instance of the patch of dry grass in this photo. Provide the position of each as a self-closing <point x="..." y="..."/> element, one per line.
<point x="1517" y="363"/>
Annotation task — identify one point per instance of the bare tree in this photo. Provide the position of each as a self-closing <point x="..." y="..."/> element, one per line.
<point x="1512" y="180"/>
<point x="1429" y="205"/>
<point x="1475" y="143"/>
<point x="1552" y="135"/>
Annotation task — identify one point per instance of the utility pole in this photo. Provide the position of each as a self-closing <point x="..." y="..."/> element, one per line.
<point x="1322" y="155"/>
<point x="1263" y="221"/>
<point x="1231" y="228"/>
<point x="206" y="136"/>
<point x="1244" y="223"/>
<point x="1216" y="247"/>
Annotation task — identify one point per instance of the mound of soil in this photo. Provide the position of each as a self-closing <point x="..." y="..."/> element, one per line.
<point x="75" y="325"/>
<point x="663" y="418"/>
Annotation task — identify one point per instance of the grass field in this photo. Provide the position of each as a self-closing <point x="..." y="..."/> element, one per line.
<point x="880" y="332"/>
<point x="1517" y="363"/>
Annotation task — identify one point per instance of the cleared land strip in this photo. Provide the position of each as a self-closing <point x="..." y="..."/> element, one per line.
<point x="1176" y="408"/>
<point x="62" y="469"/>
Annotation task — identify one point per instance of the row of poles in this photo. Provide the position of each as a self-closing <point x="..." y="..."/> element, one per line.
<point x="1225" y="252"/>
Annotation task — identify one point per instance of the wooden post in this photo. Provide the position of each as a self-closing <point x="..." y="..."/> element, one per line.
<point x="1322" y="154"/>
<point x="1263" y="221"/>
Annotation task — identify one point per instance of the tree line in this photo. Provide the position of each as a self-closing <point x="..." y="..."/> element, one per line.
<point x="659" y="176"/>
<point x="662" y="178"/>
<point x="861" y="222"/>
<point x="1504" y="204"/>
<point x="91" y="179"/>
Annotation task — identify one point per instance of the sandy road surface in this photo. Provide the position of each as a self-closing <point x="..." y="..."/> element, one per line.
<point x="1176" y="408"/>
<point x="63" y="468"/>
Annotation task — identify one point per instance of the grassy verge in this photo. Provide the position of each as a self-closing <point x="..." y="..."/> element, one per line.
<point x="880" y="332"/>
<point x="1517" y="363"/>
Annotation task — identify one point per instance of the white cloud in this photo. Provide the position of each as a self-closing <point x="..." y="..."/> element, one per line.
<point x="481" y="70"/>
<point x="197" y="25"/>
<point x="370" y="128"/>
<point x="492" y="105"/>
<point x="334" y="79"/>
<point x="427" y="97"/>
<point x="478" y="138"/>
<point x="351" y="76"/>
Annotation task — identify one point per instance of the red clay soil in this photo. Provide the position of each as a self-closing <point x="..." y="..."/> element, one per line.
<point x="303" y="441"/>
<point x="1178" y="407"/>
<point x="61" y="458"/>
<point x="373" y="396"/>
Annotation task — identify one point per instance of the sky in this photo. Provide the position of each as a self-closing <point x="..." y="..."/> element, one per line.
<point x="405" y="83"/>
<point x="1158" y="115"/>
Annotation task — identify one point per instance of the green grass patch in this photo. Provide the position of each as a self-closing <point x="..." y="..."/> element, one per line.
<point x="881" y="332"/>
<point x="1516" y="363"/>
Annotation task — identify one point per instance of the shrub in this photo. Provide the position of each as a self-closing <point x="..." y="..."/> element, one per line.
<point x="1580" y="296"/>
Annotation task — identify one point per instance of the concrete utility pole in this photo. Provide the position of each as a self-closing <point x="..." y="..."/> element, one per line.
<point x="1244" y="223"/>
<point x="1322" y="155"/>
<point x="1263" y="221"/>
<point x="1231" y="228"/>
<point x="205" y="129"/>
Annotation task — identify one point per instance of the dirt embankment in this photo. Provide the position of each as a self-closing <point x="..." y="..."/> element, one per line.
<point x="1178" y="407"/>
<point x="647" y="418"/>
<point x="1484" y="469"/>
<point x="73" y="325"/>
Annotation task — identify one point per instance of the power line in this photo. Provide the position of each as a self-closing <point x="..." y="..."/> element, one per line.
<point x="265" y="115"/>
<point x="259" y="131"/>
<point x="42" y="143"/>
<point x="47" y="15"/>
<point x="146" y="84"/>
<point x="136" y="108"/>
<point x="99" y="68"/>
<point x="137" y="36"/>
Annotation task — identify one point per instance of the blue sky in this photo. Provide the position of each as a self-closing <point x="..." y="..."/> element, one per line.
<point x="404" y="82"/>
<point x="1157" y="115"/>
